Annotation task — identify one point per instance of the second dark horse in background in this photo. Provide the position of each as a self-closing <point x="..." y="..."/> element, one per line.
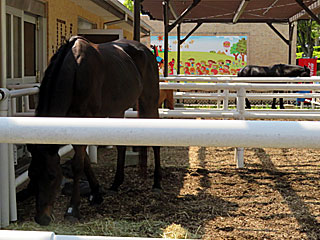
<point x="278" y="70"/>
<point x="91" y="80"/>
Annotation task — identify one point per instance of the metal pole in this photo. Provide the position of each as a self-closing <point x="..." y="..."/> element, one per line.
<point x="291" y="27"/>
<point x="3" y="45"/>
<point x="239" y="151"/>
<point x="4" y="169"/>
<point x="4" y="215"/>
<point x="178" y="48"/>
<point x="165" y="4"/>
<point x="136" y="20"/>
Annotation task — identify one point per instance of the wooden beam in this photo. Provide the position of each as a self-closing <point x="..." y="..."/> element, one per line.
<point x="181" y="17"/>
<point x="312" y="15"/>
<point x="136" y="20"/>
<point x="240" y="10"/>
<point x="278" y="33"/>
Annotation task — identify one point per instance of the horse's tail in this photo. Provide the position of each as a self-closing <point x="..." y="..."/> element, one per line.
<point x="50" y="83"/>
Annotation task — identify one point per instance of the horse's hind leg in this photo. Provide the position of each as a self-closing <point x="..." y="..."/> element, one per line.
<point x="119" y="177"/>
<point x="95" y="196"/>
<point x="148" y="109"/>
<point x="77" y="162"/>
<point x="157" y="168"/>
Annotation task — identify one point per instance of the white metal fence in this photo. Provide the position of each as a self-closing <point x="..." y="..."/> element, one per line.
<point x="37" y="235"/>
<point x="163" y="132"/>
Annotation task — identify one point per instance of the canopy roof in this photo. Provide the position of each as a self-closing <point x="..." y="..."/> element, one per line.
<point x="228" y="10"/>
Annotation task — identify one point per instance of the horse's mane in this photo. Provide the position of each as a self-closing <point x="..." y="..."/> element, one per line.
<point x="49" y="80"/>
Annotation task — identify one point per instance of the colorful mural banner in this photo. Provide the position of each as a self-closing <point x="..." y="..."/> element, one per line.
<point x="204" y="55"/>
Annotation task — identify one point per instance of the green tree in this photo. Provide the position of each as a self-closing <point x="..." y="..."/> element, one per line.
<point x="234" y="51"/>
<point x="128" y="4"/>
<point x="308" y="36"/>
<point x="242" y="47"/>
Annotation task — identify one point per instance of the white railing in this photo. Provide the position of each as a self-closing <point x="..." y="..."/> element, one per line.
<point x="152" y="132"/>
<point x="25" y="127"/>
<point x="235" y="79"/>
<point x="40" y="235"/>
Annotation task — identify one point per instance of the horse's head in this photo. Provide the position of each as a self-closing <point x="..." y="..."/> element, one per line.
<point x="306" y="72"/>
<point x="45" y="174"/>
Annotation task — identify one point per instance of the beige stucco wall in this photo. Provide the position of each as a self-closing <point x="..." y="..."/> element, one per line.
<point x="62" y="21"/>
<point x="63" y="15"/>
<point x="264" y="46"/>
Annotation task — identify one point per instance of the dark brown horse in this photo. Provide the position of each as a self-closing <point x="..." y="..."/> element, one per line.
<point x="278" y="70"/>
<point x="91" y="80"/>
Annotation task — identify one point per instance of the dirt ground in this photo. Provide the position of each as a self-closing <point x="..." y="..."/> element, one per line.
<point x="276" y="195"/>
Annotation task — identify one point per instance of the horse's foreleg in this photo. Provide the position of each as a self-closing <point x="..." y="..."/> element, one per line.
<point x="77" y="162"/>
<point x="95" y="196"/>
<point x="274" y="102"/>
<point x="157" y="168"/>
<point x="281" y="103"/>
<point x="248" y="105"/>
<point x="143" y="161"/>
<point x="119" y="177"/>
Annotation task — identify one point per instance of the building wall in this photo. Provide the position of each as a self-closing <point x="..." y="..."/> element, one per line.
<point x="62" y="22"/>
<point x="264" y="46"/>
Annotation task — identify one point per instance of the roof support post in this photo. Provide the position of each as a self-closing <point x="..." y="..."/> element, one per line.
<point x="180" y="18"/>
<point x="136" y="20"/>
<point x="3" y="47"/>
<point x="240" y="10"/>
<point x="165" y="4"/>
<point x="312" y="15"/>
<point x="178" y="47"/>
<point x="278" y="33"/>
<point x="291" y="28"/>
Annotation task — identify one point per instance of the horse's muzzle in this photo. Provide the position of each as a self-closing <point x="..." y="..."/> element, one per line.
<point x="44" y="219"/>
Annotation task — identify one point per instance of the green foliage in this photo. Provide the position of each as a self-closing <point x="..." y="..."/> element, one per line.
<point x="242" y="46"/>
<point x="308" y="34"/>
<point x="128" y="4"/>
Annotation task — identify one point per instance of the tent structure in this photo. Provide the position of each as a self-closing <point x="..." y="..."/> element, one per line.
<point x="176" y="12"/>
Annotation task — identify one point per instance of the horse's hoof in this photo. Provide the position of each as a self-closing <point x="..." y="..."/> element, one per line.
<point x="157" y="190"/>
<point x="43" y="220"/>
<point x="72" y="215"/>
<point x="95" y="199"/>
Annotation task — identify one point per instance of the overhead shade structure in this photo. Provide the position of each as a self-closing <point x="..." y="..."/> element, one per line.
<point x="176" y="12"/>
<point x="227" y="11"/>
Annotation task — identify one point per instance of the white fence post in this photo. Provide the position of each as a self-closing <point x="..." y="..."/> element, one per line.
<point x="239" y="152"/>
<point x="7" y="179"/>
<point x="93" y="153"/>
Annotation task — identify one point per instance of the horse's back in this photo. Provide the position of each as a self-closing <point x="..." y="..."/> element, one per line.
<point x="287" y="70"/>
<point x="254" y="71"/>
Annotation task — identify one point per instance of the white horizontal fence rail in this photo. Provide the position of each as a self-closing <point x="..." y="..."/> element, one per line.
<point x="237" y="86"/>
<point x="295" y="114"/>
<point x="235" y="79"/>
<point x="41" y="235"/>
<point x="161" y="132"/>
<point x="254" y="96"/>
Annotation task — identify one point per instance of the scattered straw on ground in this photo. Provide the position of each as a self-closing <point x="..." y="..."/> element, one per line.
<point x="276" y="196"/>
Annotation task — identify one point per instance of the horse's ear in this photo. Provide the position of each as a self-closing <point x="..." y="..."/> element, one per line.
<point x="305" y="68"/>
